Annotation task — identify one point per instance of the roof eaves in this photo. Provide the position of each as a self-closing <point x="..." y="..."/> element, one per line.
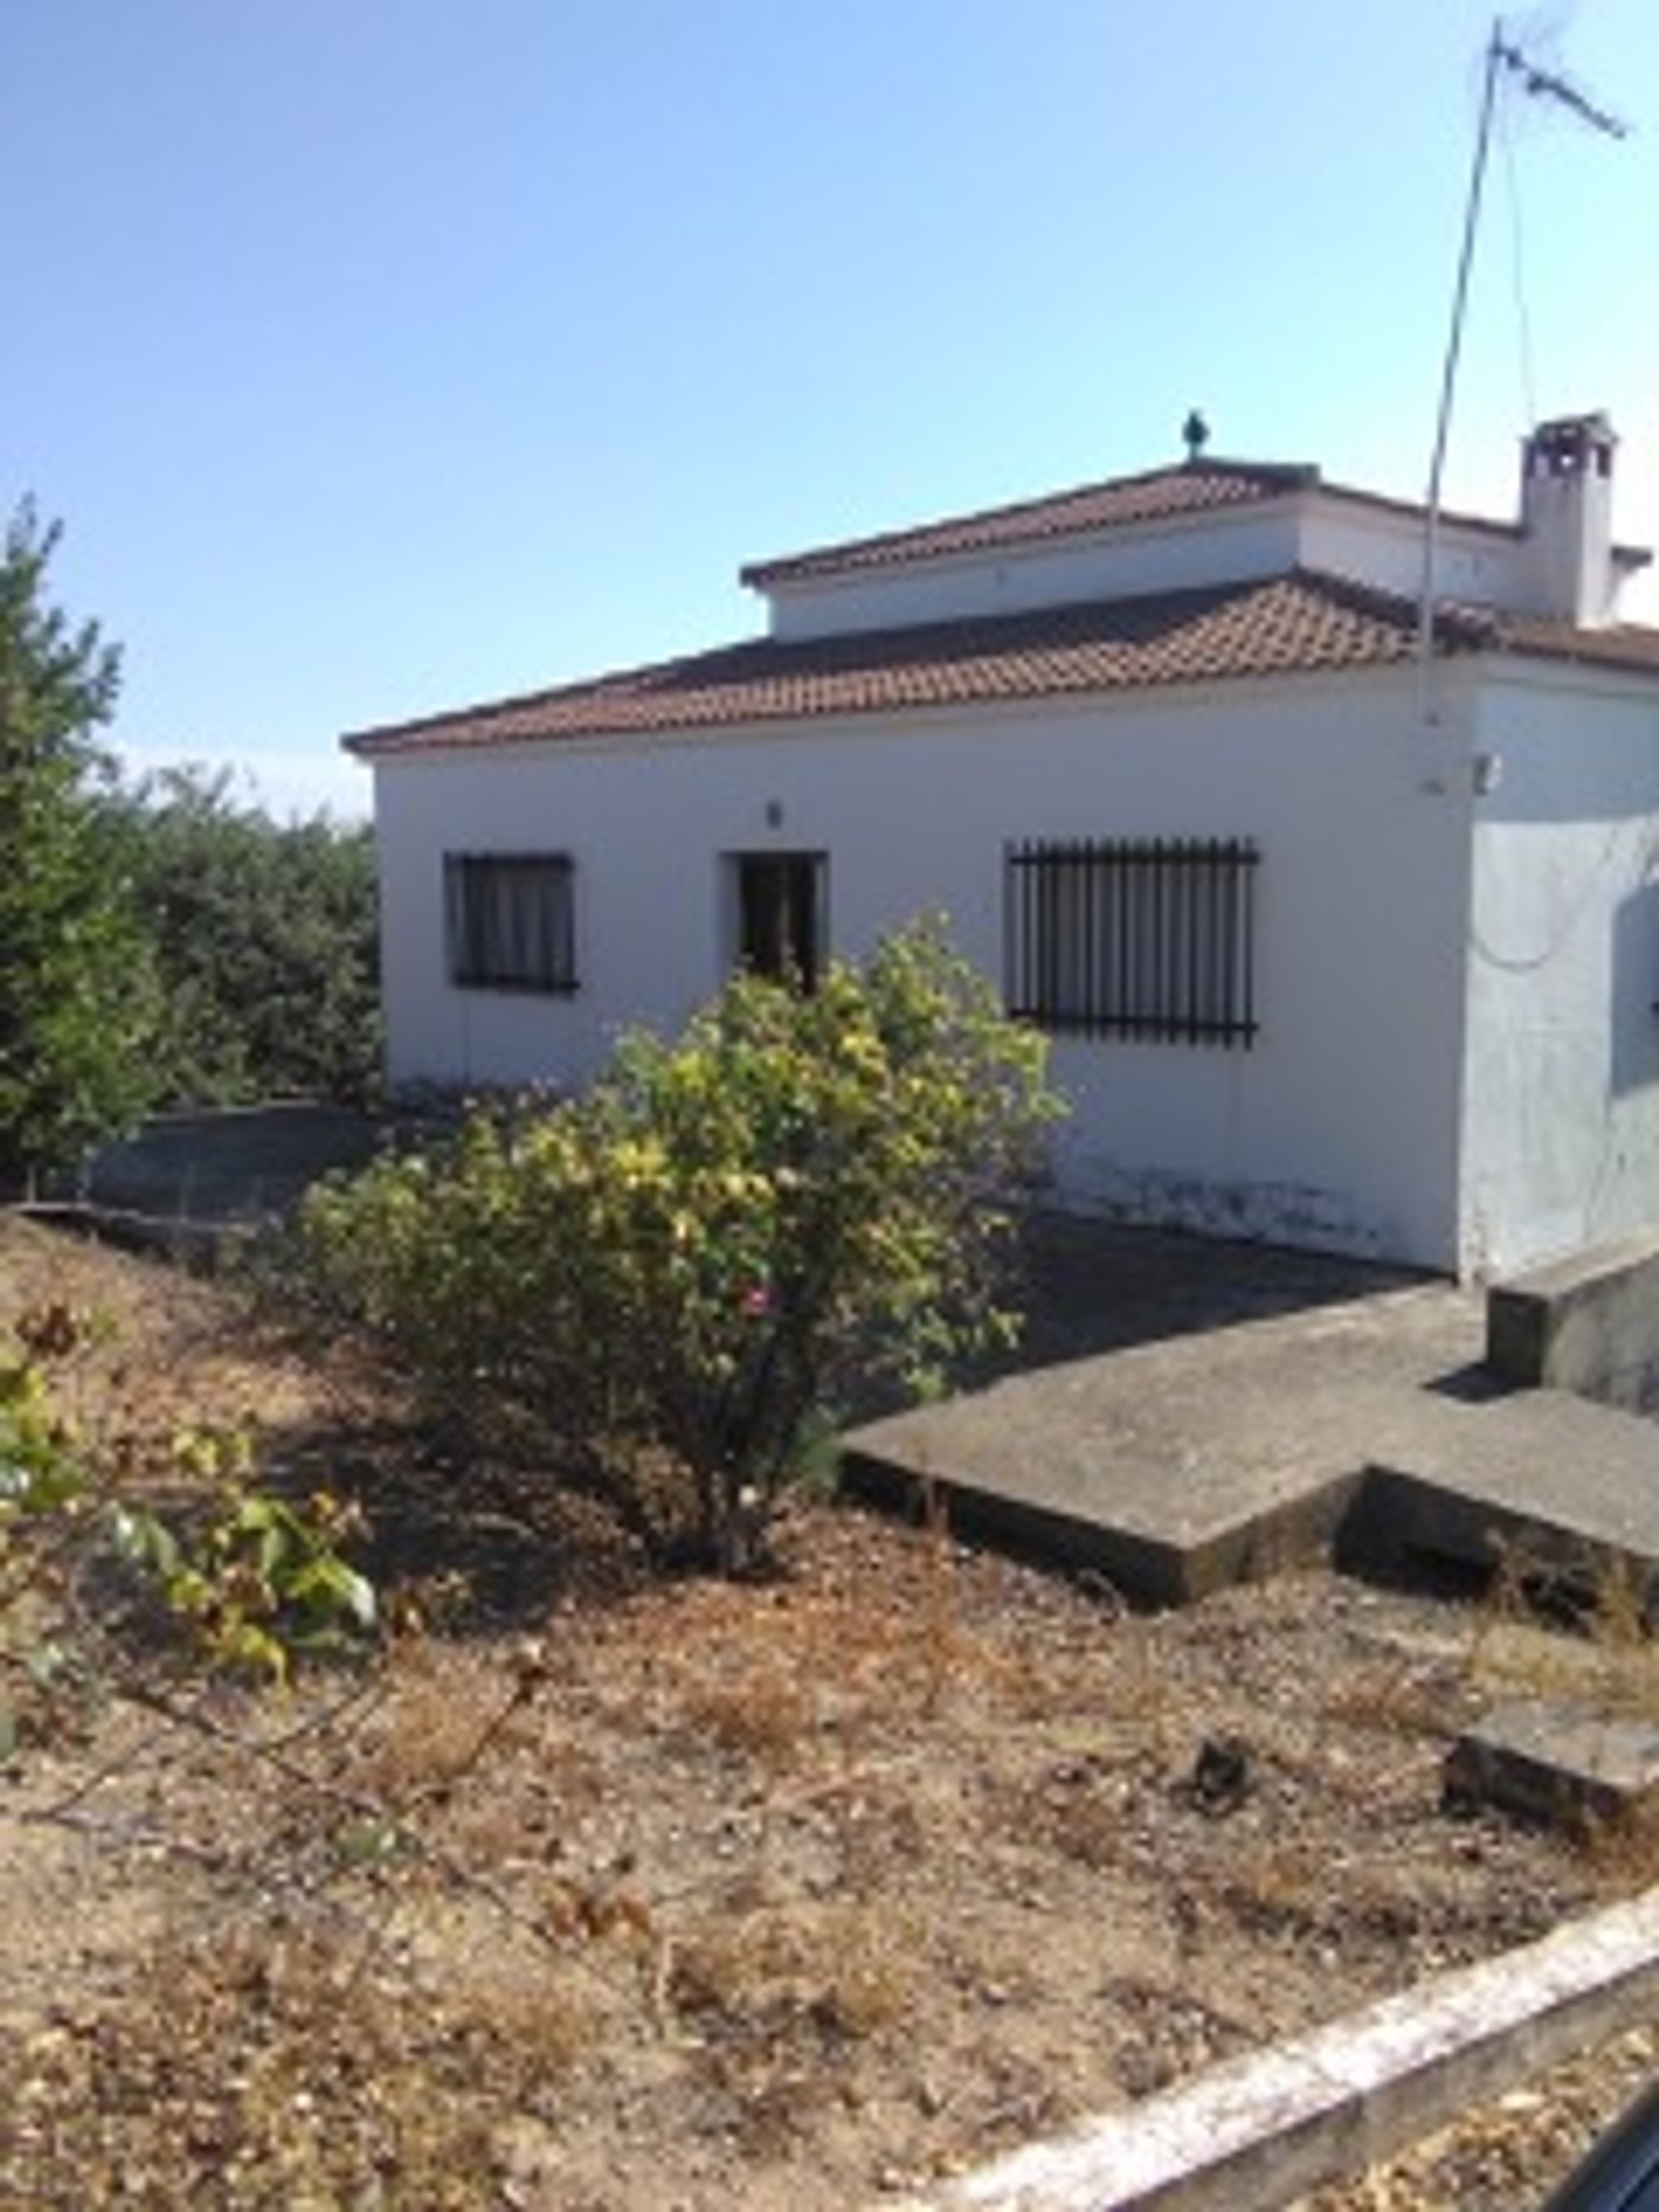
<point x="379" y="736"/>
<point x="1627" y="648"/>
<point x="941" y="663"/>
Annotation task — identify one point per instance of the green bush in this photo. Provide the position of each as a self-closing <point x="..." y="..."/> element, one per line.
<point x="678" y="1271"/>
<point x="251" y="1580"/>
<point x="263" y="936"/>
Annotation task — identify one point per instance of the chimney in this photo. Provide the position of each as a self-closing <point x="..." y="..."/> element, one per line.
<point x="1566" y="511"/>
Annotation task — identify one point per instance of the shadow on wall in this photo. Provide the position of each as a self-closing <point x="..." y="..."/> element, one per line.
<point x="1635" y="1012"/>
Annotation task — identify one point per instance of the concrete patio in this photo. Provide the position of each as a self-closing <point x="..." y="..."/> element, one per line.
<point x="1276" y="1407"/>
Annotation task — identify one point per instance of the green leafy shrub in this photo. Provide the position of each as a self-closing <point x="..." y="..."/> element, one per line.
<point x="257" y="1581"/>
<point x="681" y="1268"/>
<point x="251" y="1579"/>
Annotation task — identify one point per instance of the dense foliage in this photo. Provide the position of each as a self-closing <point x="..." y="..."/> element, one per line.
<point x="263" y="936"/>
<point x="76" y="995"/>
<point x="161" y="943"/>
<point x="681" y="1267"/>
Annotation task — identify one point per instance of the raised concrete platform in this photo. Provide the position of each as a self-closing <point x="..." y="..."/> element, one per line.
<point x="1569" y="1490"/>
<point x="1366" y="1425"/>
<point x="1588" y="1323"/>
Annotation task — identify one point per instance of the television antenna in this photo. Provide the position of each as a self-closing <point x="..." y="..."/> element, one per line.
<point x="1505" y="60"/>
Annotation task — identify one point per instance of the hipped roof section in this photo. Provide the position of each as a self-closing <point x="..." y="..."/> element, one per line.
<point x="1304" y="621"/>
<point x="1158" y="495"/>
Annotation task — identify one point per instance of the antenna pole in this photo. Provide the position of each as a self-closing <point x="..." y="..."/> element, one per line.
<point x="1539" y="83"/>
<point x="1495" y="56"/>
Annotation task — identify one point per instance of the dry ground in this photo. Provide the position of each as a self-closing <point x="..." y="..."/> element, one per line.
<point x="599" y="1894"/>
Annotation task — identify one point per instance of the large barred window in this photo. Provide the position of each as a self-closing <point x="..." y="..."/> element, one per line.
<point x="1152" y="939"/>
<point x="510" y="919"/>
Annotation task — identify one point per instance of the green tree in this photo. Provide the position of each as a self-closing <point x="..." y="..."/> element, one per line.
<point x="685" y="1267"/>
<point x="264" y="937"/>
<point x="76" y="991"/>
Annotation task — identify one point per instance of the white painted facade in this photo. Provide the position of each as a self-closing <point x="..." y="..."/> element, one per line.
<point x="1339" y="1127"/>
<point x="1561" y="1111"/>
<point x="1457" y="911"/>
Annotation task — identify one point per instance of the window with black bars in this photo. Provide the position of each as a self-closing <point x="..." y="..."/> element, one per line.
<point x="1151" y="938"/>
<point x="510" y="919"/>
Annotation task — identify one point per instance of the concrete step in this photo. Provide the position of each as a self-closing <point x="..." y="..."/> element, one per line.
<point x="1573" y="1765"/>
<point x="1567" y="1491"/>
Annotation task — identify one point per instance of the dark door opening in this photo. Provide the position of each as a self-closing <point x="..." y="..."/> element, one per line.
<point x="780" y="916"/>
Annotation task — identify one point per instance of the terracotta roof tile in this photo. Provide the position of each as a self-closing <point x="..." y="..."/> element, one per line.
<point x="1277" y="625"/>
<point x="1631" y="646"/>
<point x="1189" y="489"/>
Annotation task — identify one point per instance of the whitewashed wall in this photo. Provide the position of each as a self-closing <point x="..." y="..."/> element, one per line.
<point x="1234" y="543"/>
<point x="1561" y="1104"/>
<point x="1383" y="546"/>
<point x="1338" y="1129"/>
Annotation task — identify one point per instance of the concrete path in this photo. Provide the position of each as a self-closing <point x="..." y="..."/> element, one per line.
<point x="1362" y="1422"/>
<point x="192" y="1184"/>
<point x="228" y="1166"/>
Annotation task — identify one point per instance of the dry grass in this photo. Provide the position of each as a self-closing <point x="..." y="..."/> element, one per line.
<point x="1502" y="2154"/>
<point x="696" y="1896"/>
<point x="1599" y="1653"/>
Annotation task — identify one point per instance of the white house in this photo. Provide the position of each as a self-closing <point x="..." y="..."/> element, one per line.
<point x="1340" y="945"/>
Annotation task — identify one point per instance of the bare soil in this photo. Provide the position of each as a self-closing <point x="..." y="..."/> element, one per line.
<point x="601" y="1893"/>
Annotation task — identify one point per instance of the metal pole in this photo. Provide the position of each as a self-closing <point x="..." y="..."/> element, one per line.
<point x="1494" y="54"/>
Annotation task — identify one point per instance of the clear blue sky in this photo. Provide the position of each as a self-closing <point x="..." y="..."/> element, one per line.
<point x="382" y="355"/>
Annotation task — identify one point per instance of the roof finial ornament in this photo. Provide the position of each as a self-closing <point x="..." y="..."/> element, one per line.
<point x="1196" y="433"/>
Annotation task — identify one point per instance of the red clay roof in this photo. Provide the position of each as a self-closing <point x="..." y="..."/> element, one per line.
<point x="1189" y="488"/>
<point x="1277" y="626"/>
<point x="1631" y="646"/>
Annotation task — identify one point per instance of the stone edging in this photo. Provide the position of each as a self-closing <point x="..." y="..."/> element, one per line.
<point x="1261" y="2131"/>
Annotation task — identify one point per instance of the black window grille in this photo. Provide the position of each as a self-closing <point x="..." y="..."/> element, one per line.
<point x="510" y="920"/>
<point x="1152" y="939"/>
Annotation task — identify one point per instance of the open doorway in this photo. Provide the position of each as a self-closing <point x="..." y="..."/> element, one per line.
<point x="780" y="901"/>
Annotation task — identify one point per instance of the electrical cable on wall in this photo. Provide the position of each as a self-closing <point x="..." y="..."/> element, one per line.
<point x="1533" y="963"/>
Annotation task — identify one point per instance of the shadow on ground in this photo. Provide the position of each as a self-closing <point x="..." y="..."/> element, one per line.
<point x="471" y="1546"/>
<point x="227" y="1169"/>
<point x="1085" y="1285"/>
<point x="1088" y="1286"/>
